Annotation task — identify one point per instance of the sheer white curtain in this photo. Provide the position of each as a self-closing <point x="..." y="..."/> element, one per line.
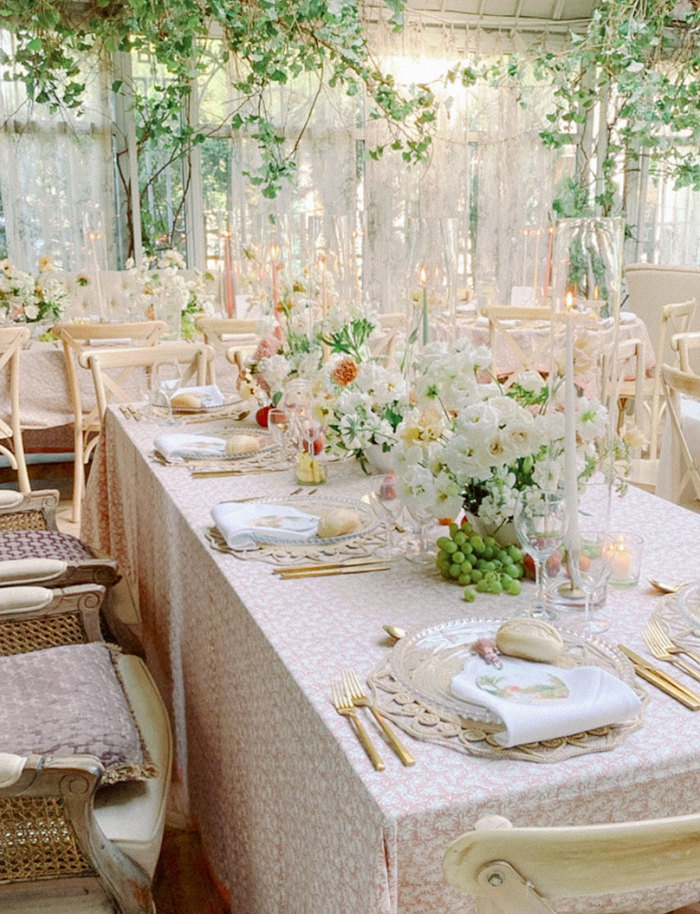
<point x="56" y="176"/>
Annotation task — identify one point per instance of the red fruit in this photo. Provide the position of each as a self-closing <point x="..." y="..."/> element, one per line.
<point x="553" y="563"/>
<point x="529" y="566"/>
<point x="261" y="416"/>
<point x="316" y="445"/>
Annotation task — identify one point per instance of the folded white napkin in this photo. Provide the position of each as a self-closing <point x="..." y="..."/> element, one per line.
<point x="209" y="394"/>
<point x="243" y="526"/>
<point x="539" y="701"/>
<point x="180" y="446"/>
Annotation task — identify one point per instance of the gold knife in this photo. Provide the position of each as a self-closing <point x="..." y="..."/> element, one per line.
<point x="292" y="574"/>
<point x="662" y="680"/>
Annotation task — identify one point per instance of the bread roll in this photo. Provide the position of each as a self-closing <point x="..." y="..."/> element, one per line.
<point x="186" y="401"/>
<point x="531" y="639"/>
<point x="337" y="522"/>
<point x="242" y="444"/>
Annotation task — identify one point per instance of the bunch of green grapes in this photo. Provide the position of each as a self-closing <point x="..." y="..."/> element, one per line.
<point x="478" y="563"/>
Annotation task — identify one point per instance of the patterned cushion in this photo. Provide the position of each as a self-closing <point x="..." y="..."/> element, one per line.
<point x="23" y="544"/>
<point x="67" y="700"/>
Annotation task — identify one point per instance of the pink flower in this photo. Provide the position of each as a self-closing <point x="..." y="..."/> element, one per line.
<point x="268" y="346"/>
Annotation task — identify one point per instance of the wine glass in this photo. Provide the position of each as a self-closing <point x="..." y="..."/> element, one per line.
<point x="591" y="558"/>
<point x="423" y="555"/>
<point x="166" y="379"/>
<point x="387" y="507"/>
<point x="540" y="525"/>
<point x="279" y="425"/>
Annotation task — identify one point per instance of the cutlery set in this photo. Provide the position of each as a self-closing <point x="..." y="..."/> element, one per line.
<point x="349" y="696"/>
<point x="129" y="412"/>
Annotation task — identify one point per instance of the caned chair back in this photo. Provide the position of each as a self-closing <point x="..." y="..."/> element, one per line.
<point x="11" y="341"/>
<point x="28" y="511"/>
<point x="510" y="333"/>
<point x="228" y="333"/>
<point x="682" y="391"/>
<point x="80" y="338"/>
<point x="115" y="371"/>
<point x="510" y="869"/>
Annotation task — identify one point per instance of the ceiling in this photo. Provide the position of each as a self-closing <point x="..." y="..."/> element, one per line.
<point x="523" y="15"/>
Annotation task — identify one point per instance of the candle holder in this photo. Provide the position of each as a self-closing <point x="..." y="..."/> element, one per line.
<point x="627" y="559"/>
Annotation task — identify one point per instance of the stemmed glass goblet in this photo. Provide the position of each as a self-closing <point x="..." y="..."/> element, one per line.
<point x="591" y="560"/>
<point x="540" y="525"/>
<point x="279" y="424"/>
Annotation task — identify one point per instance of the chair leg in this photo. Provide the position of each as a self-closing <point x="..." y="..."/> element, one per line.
<point x="78" y="477"/>
<point x="22" y="475"/>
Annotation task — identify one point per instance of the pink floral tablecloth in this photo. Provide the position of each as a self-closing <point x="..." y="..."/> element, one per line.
<point x="293" y="817"/>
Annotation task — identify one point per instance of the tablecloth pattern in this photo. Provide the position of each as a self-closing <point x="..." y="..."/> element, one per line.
<point x="294" y="819"/>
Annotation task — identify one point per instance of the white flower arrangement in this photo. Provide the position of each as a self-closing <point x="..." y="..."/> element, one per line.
<point x="28" y="299"/>
<point x="470" y="444"/>
<point x="158" y="287"/>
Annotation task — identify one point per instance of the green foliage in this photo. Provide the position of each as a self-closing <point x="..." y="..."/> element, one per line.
<point x="637" y="65"/>
<point x="271" y="42"/>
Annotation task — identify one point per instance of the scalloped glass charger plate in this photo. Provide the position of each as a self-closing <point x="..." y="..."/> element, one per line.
<point x="424" y="662"/>
<point x="313" y="504"/>
<point x="266" y="445"/>
<point x="675" y="621"/>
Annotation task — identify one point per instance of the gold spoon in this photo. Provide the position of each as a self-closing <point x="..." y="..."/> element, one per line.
<point x="395" y="632"/>
<point x="666" y="588"/>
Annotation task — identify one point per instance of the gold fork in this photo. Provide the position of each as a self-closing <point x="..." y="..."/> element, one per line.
<point x="661" y="653"/>
<point x="359" y="698"/>
<point x="343" y="705"/>
<point x="667" y="642"/>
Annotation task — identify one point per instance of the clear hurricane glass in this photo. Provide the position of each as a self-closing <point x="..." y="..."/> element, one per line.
<point x="540" y="525"/>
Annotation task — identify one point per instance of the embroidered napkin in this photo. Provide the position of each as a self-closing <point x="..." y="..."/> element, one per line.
<point x="538" y="701"/>
<point x="243" y="526"/>
<point x="176" y="446"/>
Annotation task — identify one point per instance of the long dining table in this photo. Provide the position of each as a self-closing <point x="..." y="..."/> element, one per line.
<point x="293" y="817"/>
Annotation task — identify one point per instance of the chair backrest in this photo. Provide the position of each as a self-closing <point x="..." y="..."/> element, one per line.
<point x="226" y="333"/>
<point x="114" y="369"/>
<point x="515" y="869"/>
<point x="687" y="345"/>
<point x="11" y="342"/>
<point x="79" y="338"/>
<point x="675" y="318"/>
<point x="651" y="286"/>
<point x="677" y="385"/>
<point x="514" y="345"/>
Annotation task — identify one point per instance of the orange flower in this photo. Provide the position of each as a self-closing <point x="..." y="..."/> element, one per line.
<point x="345" y="371"/>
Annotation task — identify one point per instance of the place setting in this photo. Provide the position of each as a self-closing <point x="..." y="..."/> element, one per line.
<point x="306" y="535"/>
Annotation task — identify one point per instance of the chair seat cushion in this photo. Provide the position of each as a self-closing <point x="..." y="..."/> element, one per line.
<point x="67" y="700"/>
<point x="132" y="814"/>
<point x="24" y="544"/>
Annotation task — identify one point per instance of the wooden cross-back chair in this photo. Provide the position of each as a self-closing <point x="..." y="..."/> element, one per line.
<point x="226" y="333"/>
<point x="115" y="371"/>
<point x="678" y="385"/>
<point x="623" y="380"/>
<point x="11" y="342"/>
<point x="80" y="338"/>
<point x="675" y="318"/>
<point x="524" y="870"/>
<point x="501" y="320"/>
<point x="687" y="345"/>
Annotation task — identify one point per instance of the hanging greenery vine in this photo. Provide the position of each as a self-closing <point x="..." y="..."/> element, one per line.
<point x="636" y="68"/>
<point x="271" y="41"/>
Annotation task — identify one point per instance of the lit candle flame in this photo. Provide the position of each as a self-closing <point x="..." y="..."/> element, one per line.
<point x="569" y="301"/>
<point x="423" y="276"/>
